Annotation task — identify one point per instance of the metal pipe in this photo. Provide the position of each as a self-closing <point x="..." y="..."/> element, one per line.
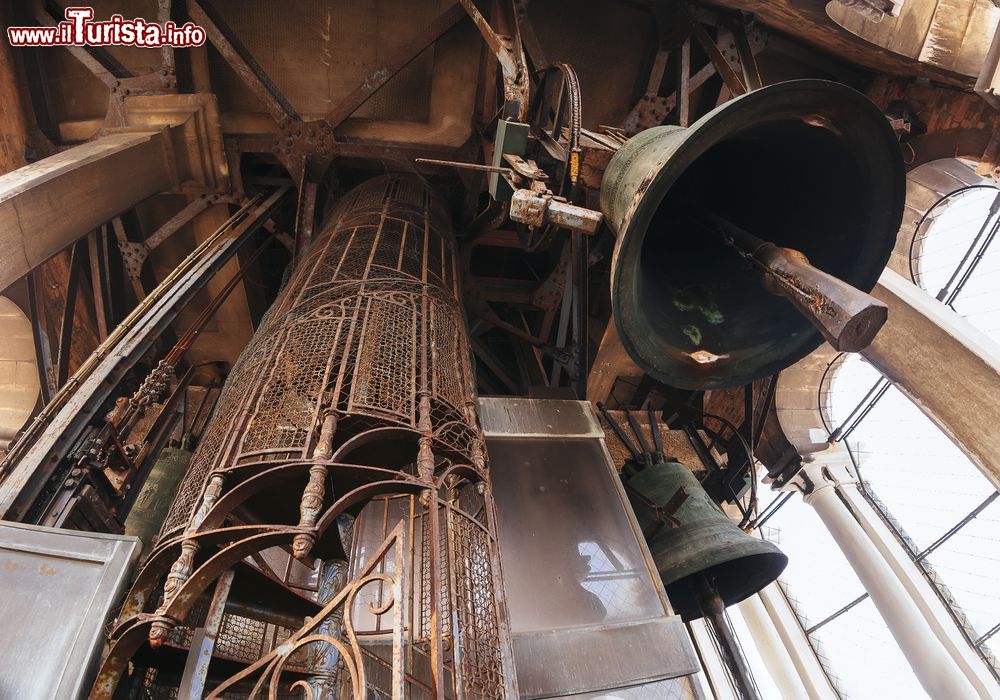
<point x="38" y="451"/>
<point x="105" y="348"/>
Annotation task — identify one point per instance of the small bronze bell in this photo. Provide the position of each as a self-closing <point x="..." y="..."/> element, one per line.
<point x="689" y="535"/>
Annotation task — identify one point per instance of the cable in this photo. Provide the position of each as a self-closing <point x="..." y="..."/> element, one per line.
<point x="752" y="463"/>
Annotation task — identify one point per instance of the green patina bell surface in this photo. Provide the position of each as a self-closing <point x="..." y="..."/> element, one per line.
<point x="806" y="164"/>
<point x="704" y="540"/>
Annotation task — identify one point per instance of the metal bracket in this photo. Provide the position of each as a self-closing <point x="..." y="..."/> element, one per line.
<point x="510" y="55"/>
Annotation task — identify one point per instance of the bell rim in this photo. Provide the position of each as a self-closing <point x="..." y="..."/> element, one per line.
<point x="683" y="594"/>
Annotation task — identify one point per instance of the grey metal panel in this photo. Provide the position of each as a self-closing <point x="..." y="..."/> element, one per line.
<point x="537" y="417"/>
<point x="582" y="659"/>
<point x="569" y="554"/>
<point x="59" y="587"/>
<point x="682" y="688"/>
<point x="587" y="611"/>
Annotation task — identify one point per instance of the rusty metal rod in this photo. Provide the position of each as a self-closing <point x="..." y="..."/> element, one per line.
<point x="105" y="348"/>
<point x="130" y="412"/>
<point x="194" y="330"/>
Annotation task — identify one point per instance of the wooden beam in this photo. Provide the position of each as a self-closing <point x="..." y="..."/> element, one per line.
<point x="47" y="205"/>
<point x="729" y="76"/>
<point x="611" y="362"/>
<point x="684" y="83"/>
<point x="751" y="73"/>
<point x="133" y="265"/>
<point x="97" y="284"/>
<point x="494" y="365"/>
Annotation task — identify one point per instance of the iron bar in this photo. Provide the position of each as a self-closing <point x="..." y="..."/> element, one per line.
<point x="654" y="428"/>
<point x="980" y="253"/>
<point x="98" y="283"/>
<point x="96" y="59"/>
<point x="751" y="73"/>
<point x="40" y="337"/>
<point x="620" y="432"/>
<point x="638" y="433"/>
<point x="715" y="613"/>
<point x="862" y="409"/>
<point x="41" y="447"/>
<point x="830" y="618"/>
<point x="579" y="249"/>
<point x="772" y="508"/>
<point x="957" y="526"/>
<point x="944" y="293"/>
<point x="729" y="76"/>
<point x="989" y="633"/>
<point x="195" y="676"/>
<point x="241" y="61"/>
<point x="396" y="62"/>
<point x="683" y="91"/>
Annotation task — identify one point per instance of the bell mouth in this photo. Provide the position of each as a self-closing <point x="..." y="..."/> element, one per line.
<point x="808" y="165"/>
<point x="735" y="580"/>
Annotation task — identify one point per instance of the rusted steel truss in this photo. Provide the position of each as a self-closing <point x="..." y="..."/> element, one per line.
<point x="353" y="400"/>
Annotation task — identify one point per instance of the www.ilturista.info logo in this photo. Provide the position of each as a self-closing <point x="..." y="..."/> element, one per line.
<point x="79" y="29"/>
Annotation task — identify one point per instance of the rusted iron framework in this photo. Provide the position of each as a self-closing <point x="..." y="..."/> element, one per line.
<point x="354" y="398"/>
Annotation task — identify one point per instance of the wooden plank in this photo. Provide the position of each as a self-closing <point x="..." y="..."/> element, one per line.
<point x="684" y="83"/>
<point x="611" y="362"/>
<point x="69" y="311"/>
<point x="101" y="179"/>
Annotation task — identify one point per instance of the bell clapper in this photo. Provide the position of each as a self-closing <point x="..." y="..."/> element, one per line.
<point x="848" y="318"/>
<point x="714" y="610"/>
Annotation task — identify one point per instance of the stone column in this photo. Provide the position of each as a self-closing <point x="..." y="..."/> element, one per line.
<point x="822" y="474"/>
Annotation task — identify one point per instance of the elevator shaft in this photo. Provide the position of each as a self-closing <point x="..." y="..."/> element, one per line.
<point x="354" y="396"/>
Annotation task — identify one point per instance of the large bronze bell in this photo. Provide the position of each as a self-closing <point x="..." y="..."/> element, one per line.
<point x="690" y="538"/>
<point x="807" y="167"/>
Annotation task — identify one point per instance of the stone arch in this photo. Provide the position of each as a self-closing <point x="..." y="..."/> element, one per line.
<point x="19" y="382"/>
<point x="928" y="186"/>
<point x="797" y="396"/>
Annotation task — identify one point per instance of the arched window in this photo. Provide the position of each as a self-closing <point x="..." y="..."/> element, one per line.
<point x="943" y="510"/>
<point x="936" y="500"/>
<point x="954" y="255"/>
